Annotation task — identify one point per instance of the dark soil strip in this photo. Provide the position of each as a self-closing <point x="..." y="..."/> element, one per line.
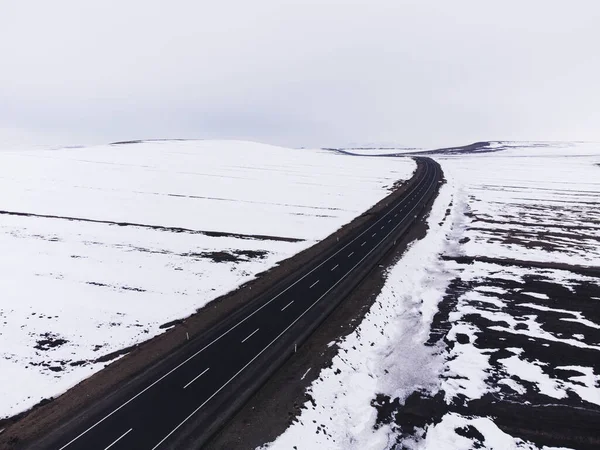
<point x="477" y="147"/>
<point x="258" y="237"/>
<point x="548" y="235"/>
<point x="549" y="424"/>
<point x="582" y="270"/>
<point x="141" y="141"/>
<point x="234" y="200"/>
<point x="530" y="188"/>
<point x="533" y="224"/>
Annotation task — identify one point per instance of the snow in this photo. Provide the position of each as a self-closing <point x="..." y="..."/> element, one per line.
<point x="381" y="354"/>
<point x="529" y="207"/>
<point x="529" y="192"/>
<point x="578" y="316"/>
<point x="466" y="373"/>
<point x="206" y="185"/>
<point x="513" y="385"/>
<point x="537" y="295"/>
<point x="530" y="371"/>
<point x="443" y="436"/>
<point x="74" y="290"/>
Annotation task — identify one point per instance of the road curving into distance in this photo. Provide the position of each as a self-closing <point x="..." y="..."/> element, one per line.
<point x="179" y="402"/>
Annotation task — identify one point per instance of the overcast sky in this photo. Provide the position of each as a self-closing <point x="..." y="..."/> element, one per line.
<point x="300" y="73"/>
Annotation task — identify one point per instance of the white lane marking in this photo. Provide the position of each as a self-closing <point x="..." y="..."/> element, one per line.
<point x="118" y="439"/>
<point x="270" y="343"/>
<point x="374" y="234"/>
<point x="401" y="202"/>
<point x="250" y="335"/>
<point x="306" y="373"/>
<point x="389" y="220"/>
<point x="395" y="214"/>
<point x="334" y="267"/>
<point x="287" y="305"/>
<point x="382" y="227"/>
<point x="314" y="284"/>
<point x="350" y="254"/>
<point x="196" y="378"/>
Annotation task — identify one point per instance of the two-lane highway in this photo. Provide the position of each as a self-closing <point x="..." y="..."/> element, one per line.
<point x="188" y="396"/>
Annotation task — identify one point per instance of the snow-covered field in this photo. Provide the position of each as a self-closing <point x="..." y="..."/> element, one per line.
<point x="487" y="331"/>
<point x="102" y="245"/>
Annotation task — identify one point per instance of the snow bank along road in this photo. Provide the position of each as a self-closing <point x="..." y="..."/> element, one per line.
<point x="180" y="401"/>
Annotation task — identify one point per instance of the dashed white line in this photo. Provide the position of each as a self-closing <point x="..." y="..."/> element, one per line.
<point x="374" y="234"/>
<point x="314" y="284"/>
<point x="306" y="373"/>
<point x="206" y="370"/>
<point x="350" y="254"/>
<point x="232" y="328"/>
<point x="287" y="305"/>
<point x="382" y="227"/>
<point x="253" y="359"/>
<point x="121" y="437"/>
<point x="389" y="220"/>
<point x="250" y="335"/>
<point x="334" y="267"/>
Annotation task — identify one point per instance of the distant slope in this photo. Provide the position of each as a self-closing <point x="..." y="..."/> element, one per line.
<point x="474" y="148"/>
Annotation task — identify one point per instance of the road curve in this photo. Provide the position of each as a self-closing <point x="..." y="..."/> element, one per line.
<point x="180" y="401"/>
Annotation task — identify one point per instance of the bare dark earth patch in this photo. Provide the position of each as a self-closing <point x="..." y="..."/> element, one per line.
<point x="49" y="341"/>
<point x="563" y="349"/>
<point x="231" y="256"/>
<point x="507" y="262"/>
<point x="124" y="288"/>
<point x="156" y="227"/>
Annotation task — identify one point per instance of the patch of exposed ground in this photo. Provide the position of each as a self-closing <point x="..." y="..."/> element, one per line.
<point x="154" y="227"/>
<point x="519" y="325"/>
<point x="538" y="332"/>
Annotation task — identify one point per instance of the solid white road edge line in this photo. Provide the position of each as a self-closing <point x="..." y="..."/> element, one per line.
<point x="277" y="337"/>
<point x="247" y="317"/>
<point x="206" y="370"/>
<point x="119" y="438"/>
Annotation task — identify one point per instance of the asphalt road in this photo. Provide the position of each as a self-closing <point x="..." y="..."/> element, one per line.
<point x="180" y="401"/>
